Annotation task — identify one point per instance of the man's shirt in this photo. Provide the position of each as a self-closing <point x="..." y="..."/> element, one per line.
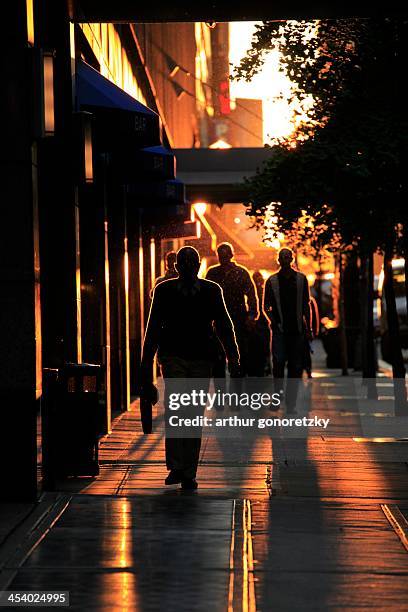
<point x="288" y="299"/>
<point x="185" y="321"/>
<point x="166" y="276"/>
<point x="288" y="292"/>
<point x="238" y="289"/>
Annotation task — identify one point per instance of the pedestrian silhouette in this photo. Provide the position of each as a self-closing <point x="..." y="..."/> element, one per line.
<point x="287" y="306"/>
<point x="170" y="272"/>
<point x="241" y="301"/>
<point x="187" y="321"/>
<point x="315" y="325"/>
<point x="260" y="336"/>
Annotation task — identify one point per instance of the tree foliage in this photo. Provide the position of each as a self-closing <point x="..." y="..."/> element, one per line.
<point x="344" y="181"/>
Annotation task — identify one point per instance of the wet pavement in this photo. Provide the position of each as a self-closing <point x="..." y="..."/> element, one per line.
<point x="275" y="525"/>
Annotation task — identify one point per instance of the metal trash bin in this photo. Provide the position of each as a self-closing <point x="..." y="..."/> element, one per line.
<point x="70" y="420"/>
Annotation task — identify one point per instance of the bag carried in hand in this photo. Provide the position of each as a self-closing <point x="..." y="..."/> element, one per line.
<point x="149" y="397"/>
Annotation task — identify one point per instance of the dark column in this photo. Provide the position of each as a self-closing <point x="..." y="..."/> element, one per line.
<point x="20" y="340"/>
<point x="58" y="203"/>
<point x="135" y="323"/>
<point x="95" y="314"/>
<point x="119" y="307"/>
<point x="140" y="285"/>
<point x="147" y="267"/>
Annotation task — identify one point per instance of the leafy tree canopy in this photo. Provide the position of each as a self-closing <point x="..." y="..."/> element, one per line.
<point x="343" y="181"/>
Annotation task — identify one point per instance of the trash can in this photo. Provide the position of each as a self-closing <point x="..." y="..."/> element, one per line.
<point x="70" y="417"/>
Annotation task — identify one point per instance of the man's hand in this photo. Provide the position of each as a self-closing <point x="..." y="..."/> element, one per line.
<point x="234" y="368"/>
<point x="149" y="392"/>
<point x="146" y="370"/>
<point x="309" y="335"/>
<point x="147" y="389"/>
<point x="250" y="322"/>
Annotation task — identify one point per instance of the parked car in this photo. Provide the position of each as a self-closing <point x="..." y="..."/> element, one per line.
<point x="380" y="311"/>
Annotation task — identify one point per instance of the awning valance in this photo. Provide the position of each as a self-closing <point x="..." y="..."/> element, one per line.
<point x="120" y="118"/>
<point x="158" y="193"/>
<point x="131" y="164"/>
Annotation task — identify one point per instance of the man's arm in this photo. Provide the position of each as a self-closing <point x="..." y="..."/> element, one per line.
<point x="225" y="329"/>
<point x="158" y="280"/>
<point x="250" y="292"/>
<point x="268" y="301"/>
<point x="151" y="339"/>
<point x="307" y="313"/>
<point x="210" y="275"/>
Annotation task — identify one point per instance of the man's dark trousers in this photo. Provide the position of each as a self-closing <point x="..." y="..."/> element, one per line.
<point x="183" y="453"/>
<point x="288" y="348"/>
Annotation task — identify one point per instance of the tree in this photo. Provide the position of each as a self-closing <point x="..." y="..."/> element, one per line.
<point x="344" y="173"/>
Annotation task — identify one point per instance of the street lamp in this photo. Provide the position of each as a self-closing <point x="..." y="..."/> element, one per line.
<point x="42" y="88"/>
<point x="83" y="145"/>
<point x="48" y="92"/>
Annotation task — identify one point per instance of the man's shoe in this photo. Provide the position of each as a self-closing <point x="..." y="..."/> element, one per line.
<point x="174" y="477"/>
<point x="189" y="484"/>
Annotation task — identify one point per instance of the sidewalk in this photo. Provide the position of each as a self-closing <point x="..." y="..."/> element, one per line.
<point x="314" y="524"/>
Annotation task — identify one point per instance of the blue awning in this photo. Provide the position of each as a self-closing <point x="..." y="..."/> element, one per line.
<point x="158" y="161"/>
<point x="130" y="164"/>
<point x="120" y="118"/>
<point x="158" y="193"/>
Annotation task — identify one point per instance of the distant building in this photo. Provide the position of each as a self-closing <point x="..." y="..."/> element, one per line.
<point x="246" y="124"/>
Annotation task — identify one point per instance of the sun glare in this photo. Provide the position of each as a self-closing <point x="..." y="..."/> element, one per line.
<point x="283" y="110"/>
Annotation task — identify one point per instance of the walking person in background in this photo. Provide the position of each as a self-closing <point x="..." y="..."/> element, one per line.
<point x="315" y="326"/>
<point x="287" y="306"/>
<point x="170" y="271"/>
<point x="187" y="320"/>
<point x="241" y="301"/>
<point x="260" y="336"/>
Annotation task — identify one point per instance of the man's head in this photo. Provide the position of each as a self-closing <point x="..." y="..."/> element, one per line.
<point x="285" y="257"/>
<point x="225" y="252"/>
<point x="188" y="263"/>
<point x="171" y="258"/>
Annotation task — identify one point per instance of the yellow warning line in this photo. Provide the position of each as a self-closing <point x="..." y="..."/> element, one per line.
<point x="248" y="584"/>
<point x="231" y="562"/>
<point x="241" y="588"/>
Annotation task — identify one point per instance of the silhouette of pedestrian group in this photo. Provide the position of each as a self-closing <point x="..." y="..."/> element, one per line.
<point x="199" y="328"/>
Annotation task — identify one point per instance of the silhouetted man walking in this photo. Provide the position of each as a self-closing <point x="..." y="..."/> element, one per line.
<point x="187" y="320"/>
<point x="171" y="271"/>
<point x="241" y="301"/>
<point x="260" y="336"/>
<point x="287" y="306"/>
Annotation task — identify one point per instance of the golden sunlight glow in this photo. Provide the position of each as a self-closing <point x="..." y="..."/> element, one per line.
<point x="115" y="65"/>
<point x="124" y="537"/>
<point x="127" y="325"/>
<point x="200" y="208"/>
<point x="48" y="76"/>
<point x="203" y="267"/>
<point x="202" y="72"/>
<point x="141" y="286"/>
<point x="88" y="158"/>
<point x="30" y="21"/>
<point x="272" y="236"/>
<point x="220" y="144"/>
<point x="380" y="440"/>
<point x="152" y="261"/>
<point x="108" y="334"/>
<point x="283" y="111"/>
